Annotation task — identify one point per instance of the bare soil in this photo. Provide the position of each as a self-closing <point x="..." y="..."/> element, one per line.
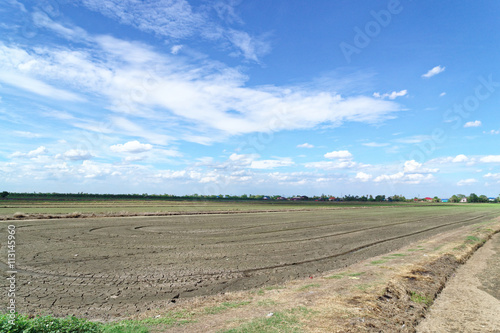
<point x="470" y="302"/>
<point x="109" y="268"/>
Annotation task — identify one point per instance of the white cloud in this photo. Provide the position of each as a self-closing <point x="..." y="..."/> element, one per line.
<point x="460" y="158"/>
<point x="476" y="123"/>
<point x="174" y="18"/>
<point x="413" y="173"/>
<point x="364" y="177"/>
<point x="28" y="135"/>
<point x="492" y="132"/>
<point x="75" y="155"/>
<point x="375" y="144"/>
<point x="492" y="176"/>
<point x="32" y="154"/>
<point x="206" y="101"/>
<point x="392" y="95"/>
<point x="442" y="94"/>
<point x="411" y="167"/>
<point x="434" y="71"/>
<point x="490" y="159"/>
<point x="401" y="177"/>
<point x="131" y="147"/>
<point x="36" y="86"/>
<point x="252" y="48"/>
<point x="414" y="139"/>
<point x="270" y="164"/>
<point x="305" y="145"/>
<point x="340" y="154"/>
<point x="465" y="182"/>
<point x="178" y="19"/>
<point x="176" y="48"/>
<point x="332" y="165"/>
<point x="42" y="20"/>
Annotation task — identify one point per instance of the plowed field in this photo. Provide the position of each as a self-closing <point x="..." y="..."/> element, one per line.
<point x="113" y="267"/>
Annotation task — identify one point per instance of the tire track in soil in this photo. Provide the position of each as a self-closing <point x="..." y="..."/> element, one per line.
<point x="135" y="275"/>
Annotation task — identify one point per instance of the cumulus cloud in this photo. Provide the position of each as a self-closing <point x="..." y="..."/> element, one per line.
<point x="332" y="165"/>
<point x="270" y="164"/>
<point x="75" y="155"/>
<point x="305" y="145"/>
<point x="131" y="147"/>
<point x="476" y="123"/>
<point x="340" y="154"/>
<point x="495" y="176"/>
<point x="31" y="154"/>
<point x="490" y="159"/>
<point x="401" y="177"/>
<point x="465" y="182"/>
<point x="411" y="167"/>
<point x="434" y="71"/>
<point x="460" y="158"/>
<point x="413" y="173"/>
<point x="392" y="95"/>
<point x="364" y="177"/>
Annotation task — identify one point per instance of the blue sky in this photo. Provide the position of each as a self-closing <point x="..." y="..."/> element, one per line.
<point x="278" y="97"/>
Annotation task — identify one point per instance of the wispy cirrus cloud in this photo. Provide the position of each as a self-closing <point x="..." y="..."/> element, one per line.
<point x="178" y="19"/>
<point x="210" y="99"/>
<point x="375" y="144"/>
<point x="392" y="95"/>
<point x="434" y="71"/>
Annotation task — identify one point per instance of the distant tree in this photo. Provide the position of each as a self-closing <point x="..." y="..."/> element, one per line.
<point x="380" y="198"/>
<point x="4" y="194"/>
<point x="454" y="198"/>
<point x="483" y="198"/>
<point x="398" y="198"/>
<point x="473" y="197"/>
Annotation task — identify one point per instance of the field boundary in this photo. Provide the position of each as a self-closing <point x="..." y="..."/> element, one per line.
<point x="390" y="292"/>
<point x="410" y="294"/>
<point x="78" y="215"/>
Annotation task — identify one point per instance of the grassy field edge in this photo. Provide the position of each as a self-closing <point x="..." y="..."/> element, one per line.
<point x="390" y="292"/>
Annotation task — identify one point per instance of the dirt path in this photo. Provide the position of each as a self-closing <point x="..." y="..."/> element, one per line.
<point x="470" y="301"/>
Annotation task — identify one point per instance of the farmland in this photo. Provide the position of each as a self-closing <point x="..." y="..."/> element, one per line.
<point x="106" y="268"/>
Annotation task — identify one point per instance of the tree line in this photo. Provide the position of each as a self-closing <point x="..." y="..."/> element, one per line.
<point x="474" y="198"/>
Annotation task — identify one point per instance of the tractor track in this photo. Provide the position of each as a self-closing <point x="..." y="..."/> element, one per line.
<point x="106" y="267"/>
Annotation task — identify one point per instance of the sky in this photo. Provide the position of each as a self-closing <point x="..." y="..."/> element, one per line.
<point x="282" y="97"/>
